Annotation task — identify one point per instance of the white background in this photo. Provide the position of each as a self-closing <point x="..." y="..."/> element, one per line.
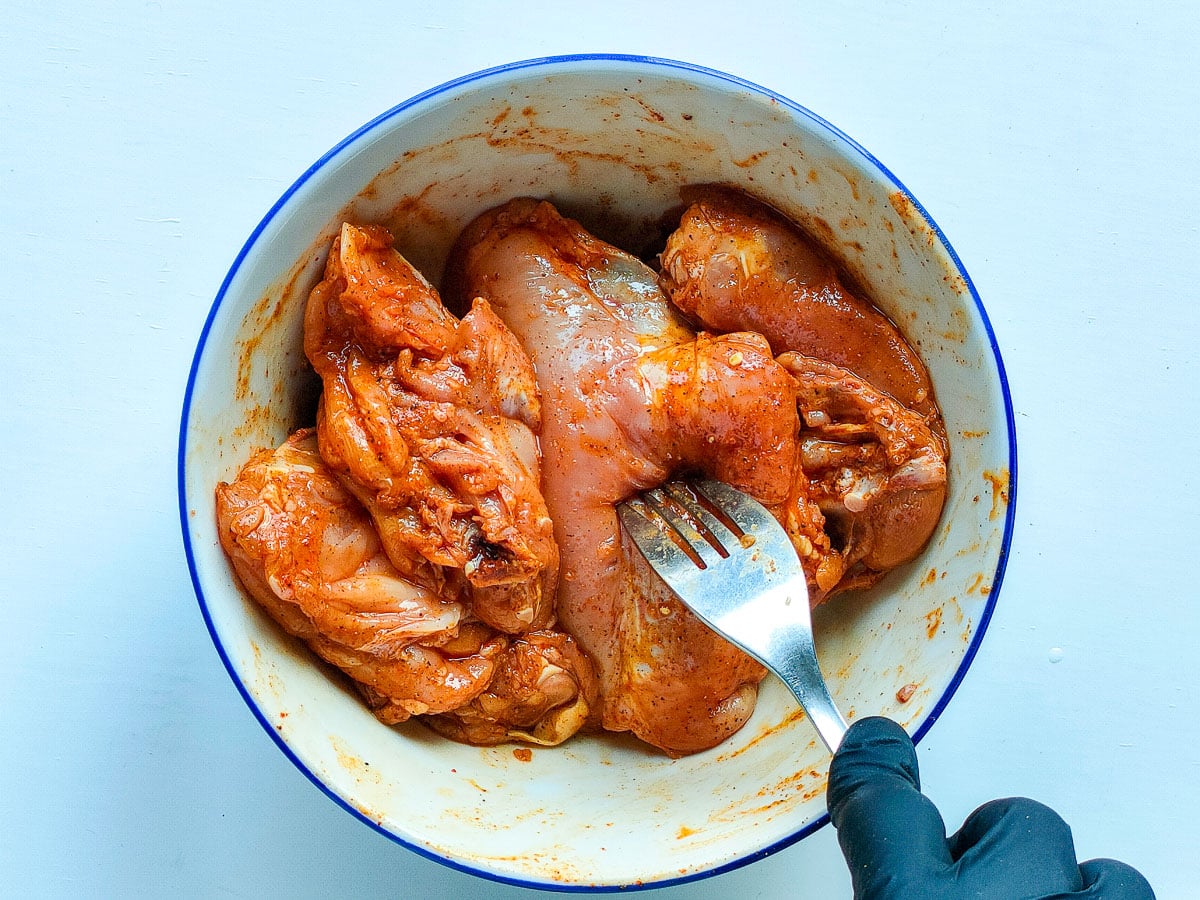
<point x="140" y="143"/>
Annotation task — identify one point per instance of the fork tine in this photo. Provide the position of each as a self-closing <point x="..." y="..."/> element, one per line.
<point x="749" y="515"/>
<point x="648" y="531"/>
<point x="703" y="540"/>
<point x="714" y="520"/>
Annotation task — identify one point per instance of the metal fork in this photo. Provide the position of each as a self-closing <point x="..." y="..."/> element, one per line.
<point x="732" y="564"/>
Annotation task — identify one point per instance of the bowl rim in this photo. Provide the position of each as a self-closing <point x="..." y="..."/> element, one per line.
<point x="615" y="60"/>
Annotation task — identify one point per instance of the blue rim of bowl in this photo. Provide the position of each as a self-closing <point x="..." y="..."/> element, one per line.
<point x="553" y="62"/>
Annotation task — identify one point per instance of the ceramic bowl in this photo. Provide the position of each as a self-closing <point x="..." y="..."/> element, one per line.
<point x="611" y="140"/>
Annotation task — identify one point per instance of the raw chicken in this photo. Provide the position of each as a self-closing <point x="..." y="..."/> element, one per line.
<point x="873" y="446"/>
<point x="736" y="264"/>
<point x="430" y="422"/>
<point x="875" y="469"/>
<point x="630" y="397"/>
<point x="305" y="549"/>
<point x="543" y="692"/>
<point x="414" y="538"/>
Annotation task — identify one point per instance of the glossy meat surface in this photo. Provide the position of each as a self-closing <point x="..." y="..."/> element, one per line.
<point x="406" y="539"/>
<point x="735" y="264"/>
<point x="308" y="552"/>
<point x="876" y="470"/>
<point x="430" y="422"/>
<point x="305" y="549"/>
<point x="631" y="396"/>
<point x="543" y="692"/>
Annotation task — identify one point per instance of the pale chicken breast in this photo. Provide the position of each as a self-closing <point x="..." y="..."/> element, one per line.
<point x="630" y="396"/>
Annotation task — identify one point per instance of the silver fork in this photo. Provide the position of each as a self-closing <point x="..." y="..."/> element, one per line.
<point x="732" y="564"/>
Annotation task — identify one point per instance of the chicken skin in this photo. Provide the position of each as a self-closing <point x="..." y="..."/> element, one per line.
<point x="543" y="692"/>
<point x="873" y="445"/>
<point x="431" y="423"/>
<point x="736" y="264"/>
<point x="308" y="552"/>
<point x="876" y="470"/>
<point x="630" y="397"/>
<point x="305" y="549"/>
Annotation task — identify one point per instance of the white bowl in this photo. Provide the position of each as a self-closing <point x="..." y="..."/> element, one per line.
<point x="610" y="140"/>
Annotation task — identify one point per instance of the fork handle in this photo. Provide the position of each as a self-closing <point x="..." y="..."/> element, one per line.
<point x="803" y="677"/>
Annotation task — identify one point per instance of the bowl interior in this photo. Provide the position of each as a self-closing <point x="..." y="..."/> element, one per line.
<point x="611" y="141"/>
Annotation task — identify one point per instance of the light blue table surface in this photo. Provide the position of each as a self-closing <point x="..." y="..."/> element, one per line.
<point x="140" y="143"/>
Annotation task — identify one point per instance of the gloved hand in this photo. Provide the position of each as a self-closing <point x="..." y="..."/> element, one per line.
<point x="895" y="841"/>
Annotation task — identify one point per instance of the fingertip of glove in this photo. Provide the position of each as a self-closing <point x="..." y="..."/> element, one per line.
<point x="872" y="747"/>
<point x="1112" y="878"/>
<point x="879" y="741"/>
<point x="873" y="729"/>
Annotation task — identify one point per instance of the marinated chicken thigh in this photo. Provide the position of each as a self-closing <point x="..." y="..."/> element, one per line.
<point x="305" y="549"/>
<point x="543" y="692"/>
<point x="875" y="469"/>
<point x="736" y="264"/>
<point x="308" y="552"/>
<point x="430" y="421"/>
<point x="873" y="446"/>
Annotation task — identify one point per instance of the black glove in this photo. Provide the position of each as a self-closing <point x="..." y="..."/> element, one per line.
<point x="895" y="841"/>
